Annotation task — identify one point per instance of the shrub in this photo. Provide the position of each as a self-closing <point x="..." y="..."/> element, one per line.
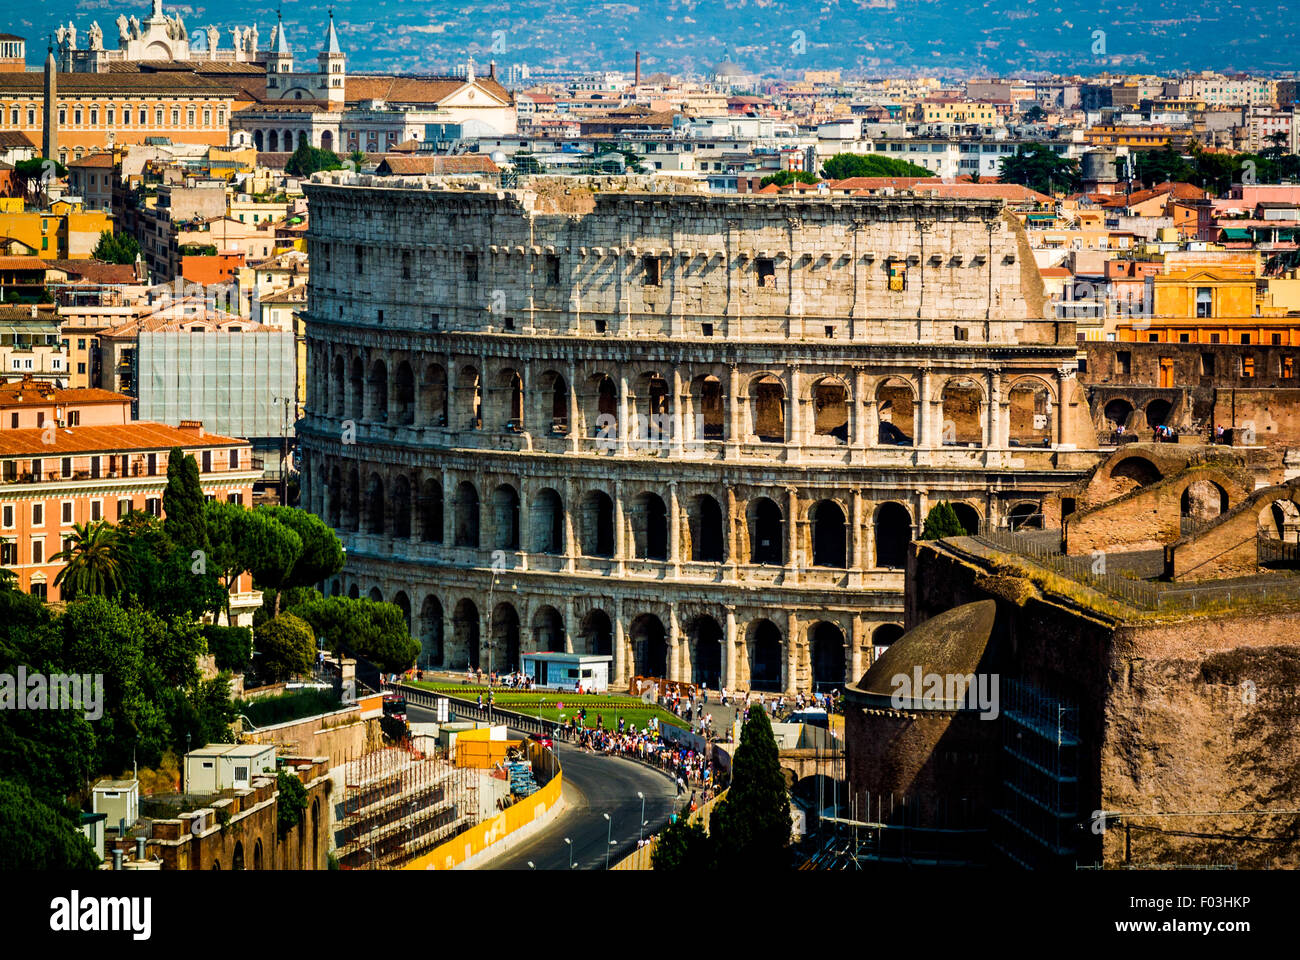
<point x="231" y="646"/>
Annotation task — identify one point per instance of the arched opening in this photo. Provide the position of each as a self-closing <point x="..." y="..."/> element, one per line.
<point x="656" y="421"/>
<point x="1030" y="414"/>
<point x="353" y="519"/>
<point x="257" y="854"/>
<point x="547" y="522"/>
<point x="766" y="543"/>
<point x="374" y="505"/>
<point x="1158" y="413"/>
<point x="885" y="634"/>
<point x="1131" y="473"/>
<point x="431" y="511"/>
<point x="504" y="639"/>
<point x="327" y="140"/>
<point x="466" y="515"/>
<point x="711" y="411"/>
<point x="433" y="396"/>
<point x="893" y="535"/>
<point x="706" y="659"/>
<point x="597" y="524"/>
<point x="967" y="516"/>
<point x="336" y="499"/>
<point x="548" y="631"/>
<point x="962" y="405"/>
<point x="555" y="396"/>
<point x="767" y="400"/>
<point x="829" y="535"/>
<point x="895" y="409"/>
<point x="831" y="409"/>
<point x="511" y="387"/>
<point x="273" y="142"/>
<point x="357" y="383"/>
<point x="505" y="518"/>
<point x="1203" y="500"/>
<point x="707" y="531"/>
<point x="649" y="647"/>
<point x="828" y="660"/>
<point x="465" y="627"/>
<point x="259" y="141"/>
<point x="1117" y="414"/>
<point x="603" y="421"/>
<point x="469" y="398"/>
<point x="1025" y="515"/>
<point x="237" y="859"/>
<point x="378" y="391"/>
<point x="338" y="385"/>
<point x="649" y="520"/>
<point x="431" y="625"/>
<point x="376" y="595"/>
<point x="402" y="508"/>
<point x="597" y="633"/>
<point x="354" y="592"/>
<point x="764" y="656"/>
<point x="405" y="395"/>
<point x="403" y="603"/>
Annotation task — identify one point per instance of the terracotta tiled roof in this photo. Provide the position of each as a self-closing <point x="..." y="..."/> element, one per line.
<point x="414" y="89"/>
<point x="95" y="160"/>
<point x="97" y="271"/>
<point x="421" y="166"/>
<point x="16" y="392"/>
<point x="22" y="263"/>
<point x="141" y="435"/>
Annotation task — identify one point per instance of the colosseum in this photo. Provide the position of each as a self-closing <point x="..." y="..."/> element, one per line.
<point x="694" y="432"/>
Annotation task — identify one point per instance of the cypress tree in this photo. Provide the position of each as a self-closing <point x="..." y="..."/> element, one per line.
<point x="942" y="522"/>
<point x="751" y="826"/>
<point x="183" y="503"/>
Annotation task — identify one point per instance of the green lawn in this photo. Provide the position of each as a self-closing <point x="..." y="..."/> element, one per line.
<point x="544" y="704"/>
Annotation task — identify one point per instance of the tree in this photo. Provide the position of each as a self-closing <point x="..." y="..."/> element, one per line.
<point x="183" y="503"/>
<point x="683" y="846"/>
<point x="842" y="166"/>
<point x="231" y="647"/>
<point x="39" y="836"/>
<point x="358" y="159"/>
<point x="362" y="628"/>
<point x="751" y="825"/>
<point x="287" y="647"/>
<point x="322" y="551"/>
<point x="1039" y="167"/>
<point x="121" y="248"/>
<point x="787" y="177"/>
<point x="942" y="522"/>
<point x="162" y="578"/>
<point x="92" y="565"/>
<point x="306" y="160"/>
<point x="270" y="551"/>
<point x="291" y="803"/>
<point x="1035" y="114"/>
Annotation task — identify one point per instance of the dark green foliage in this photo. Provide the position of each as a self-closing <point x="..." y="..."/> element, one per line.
<point x="116" y="248"/>
<point x="942" y="522"/>
<point x="266" y="711"/>
<point x="751" y="825"/>
<point x="291" y="803"/>
<point x="376" y="632"/>
<point x="684" y="846"/>
<point x="38" y="835"/>
<point x="183" y="503"/>
<point x="1039" y="167"/>
<point x="322" y="551"/>
<point x="232" y="647"/>
<point x="787" y="177"/>
<point x="285" y="647"/>
<point x="160" y="576"/>
<point x="845" y="165"/>
<point x="307" y="160"/>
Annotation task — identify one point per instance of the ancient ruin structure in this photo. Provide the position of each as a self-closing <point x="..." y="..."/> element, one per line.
<point x="696" y="432"/>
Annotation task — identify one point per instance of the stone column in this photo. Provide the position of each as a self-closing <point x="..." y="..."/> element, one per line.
<point x="856" y="667"/>
<point x="674" y="645"/>
<point x="571" y="547"/>
<point x="525" y="527"/>
<point x="733" y="547"/>
<point x="794" y="434"/>
<point x="569" y="626"/>
<point x="622" y="416"/>
<point x="868" y="537"/>
<point x="674" y="530"/>
<point x="790" y="672"/>
<point x="729" y="652"/>
<point x="1062" y="421"/>
<point x="863" y="410"/>
<point x="620" y="524"/>
<point x="449" y="655"/>
<point x="448" y="512"/>
<point x="920" y="426"/>
<point x="620" y="644"/>
<point x="678" y="401"/>
<point x="991" y="432"/>
<point x="792" y="558"/>
<point x="734" y="427"/>
<point x="575" y="442"/>
<point x="857" y="560"/>
<point x="452" y="410"/>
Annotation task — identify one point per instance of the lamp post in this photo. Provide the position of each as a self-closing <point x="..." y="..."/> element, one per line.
<point x="609" y="836"/>
<point x="641" y="832"/>
<point x="569" y="844"/>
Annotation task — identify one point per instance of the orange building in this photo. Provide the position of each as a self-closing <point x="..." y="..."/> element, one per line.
<point x="129" y="107"/>
<point x="51" y="479"/>
<point x="1222" y="304"/>
<point x="29" y="404"/>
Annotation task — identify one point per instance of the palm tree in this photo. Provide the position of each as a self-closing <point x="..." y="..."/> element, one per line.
<point x="91" y="563"/>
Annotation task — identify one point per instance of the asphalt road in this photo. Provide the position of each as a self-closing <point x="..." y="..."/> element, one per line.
<point x="594" y="785"/>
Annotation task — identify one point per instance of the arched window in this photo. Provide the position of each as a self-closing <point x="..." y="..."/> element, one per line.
<point x="828" y="659"/>
<point x="431" y="511"/>
<point x="402" y="508"/>
<point x="706" y="651"/>
<point x="831" y="409"/>
<point x="378" y="391"/>
<point x="431" y="640"/>
<point x="504" y="638"/>
<point x="597" y="524"/>
<point x="767" y="400"/>
<point x="893" y="535"/>
<point x="465" y="634"/>
<point x="829" y="535"/>
<point x="649" y="520"/>
<point x="597" y="633"/>
<point x="467" y="530"/>
<point x="505" y="517"/>
<point x="764" y="656"/>
<point x="707" y="531"/>
<point x="962" y="407"/>
<point x="547" y="522"/>
<point x="1031" y="414"/>
<point x="649" y="646"/>
<point x="404" y="412"/>
<point x="374" y="520"/>
<point x="766" y="543"/>
<point x="895" y="409"/>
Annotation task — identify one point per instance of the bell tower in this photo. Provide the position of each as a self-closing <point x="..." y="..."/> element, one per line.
<point x="332" y="83"/>
<point x="279" y="61"/>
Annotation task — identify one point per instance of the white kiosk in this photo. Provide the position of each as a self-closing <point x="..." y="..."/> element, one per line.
<point x="565" y="671"/>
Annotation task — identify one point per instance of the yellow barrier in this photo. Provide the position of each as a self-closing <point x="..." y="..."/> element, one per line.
<point x="642" y="858"/>
<point x="475" y="840"/>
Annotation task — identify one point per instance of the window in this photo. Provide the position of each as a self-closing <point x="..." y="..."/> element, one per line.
<point x="8" y="553"/>
<point x="153" y="507"/>
<point x="1214" y="338"/>
<point x="234" y="459"/>
<point x="13" y="421"/>
<point x="651" y="271"/>
<point x="960" y="333"/>
<point x="1288" y="368"/>
<point x="1124" y="362"/>
<point x="96" y="510"/>
<point x="234" y="498"/>
<point x="600" y="326"/>
<point x="552" y="269"/>
<point x="74" y="416"/>
<point x="153" y="464"/>
<point x="1153" y="338"/>
<point x="1245" y="338"/>
<point x="94" y="466"/>
<point x="1247" y="368"/>
<point x="471" y="267"/>
<point x="707" y="329"/>
<point x="766" y="272"/>
<point x="1207" y="364"/>
<point x="39" y="589"/>
<point x="406" y="264"/>
<point x="176" y="118"/>
<point x="207" y="461"/>
<point x="1204" y="302"/>
<point x="67" y="511"/>
<point x="66" y="467"/>
<point x="1184" y="338"/>
<point x="8" y="516"/>
<point x="1277" y="339"/>
<point x="123" y="507"/>
<point x="38" y="550"/>
<point x="38" y="514"/>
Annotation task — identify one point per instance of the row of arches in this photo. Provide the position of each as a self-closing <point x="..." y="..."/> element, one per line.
<point x="273" y="140"/>
<point x="462" y="634"/>
<point x="642" y="407"/>
<point x="419" y="509"/>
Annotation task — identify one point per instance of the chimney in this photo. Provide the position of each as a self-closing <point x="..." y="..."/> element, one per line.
<point x="492" y="69"/>
<point x="636" y="80"/>
<point x="139" y="848"/>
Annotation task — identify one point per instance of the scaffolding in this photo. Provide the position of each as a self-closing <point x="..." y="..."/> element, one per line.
<point x="1036" y="824"/>
<point x="398" y="803"/>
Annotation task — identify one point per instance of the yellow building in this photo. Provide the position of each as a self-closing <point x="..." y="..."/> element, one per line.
<point x="956" y="111"/>
<point x="1213" y="305"/>
<point x="64" y="232"/>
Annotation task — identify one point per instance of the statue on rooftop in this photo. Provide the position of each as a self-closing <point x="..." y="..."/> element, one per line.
<point x="96" y="36"/>
<point x="123" y="30"/>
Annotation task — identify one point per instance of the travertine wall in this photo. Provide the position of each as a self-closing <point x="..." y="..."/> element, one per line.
<point x="694" y="431"/>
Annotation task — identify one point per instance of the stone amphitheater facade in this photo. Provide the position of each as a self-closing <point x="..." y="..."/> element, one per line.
<point x="696" y="432"/>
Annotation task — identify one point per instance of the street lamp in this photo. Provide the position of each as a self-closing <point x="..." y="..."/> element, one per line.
<point x="641" y="836"/>
<point x="569" y="843"/>
<point x="609" y="835"/>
